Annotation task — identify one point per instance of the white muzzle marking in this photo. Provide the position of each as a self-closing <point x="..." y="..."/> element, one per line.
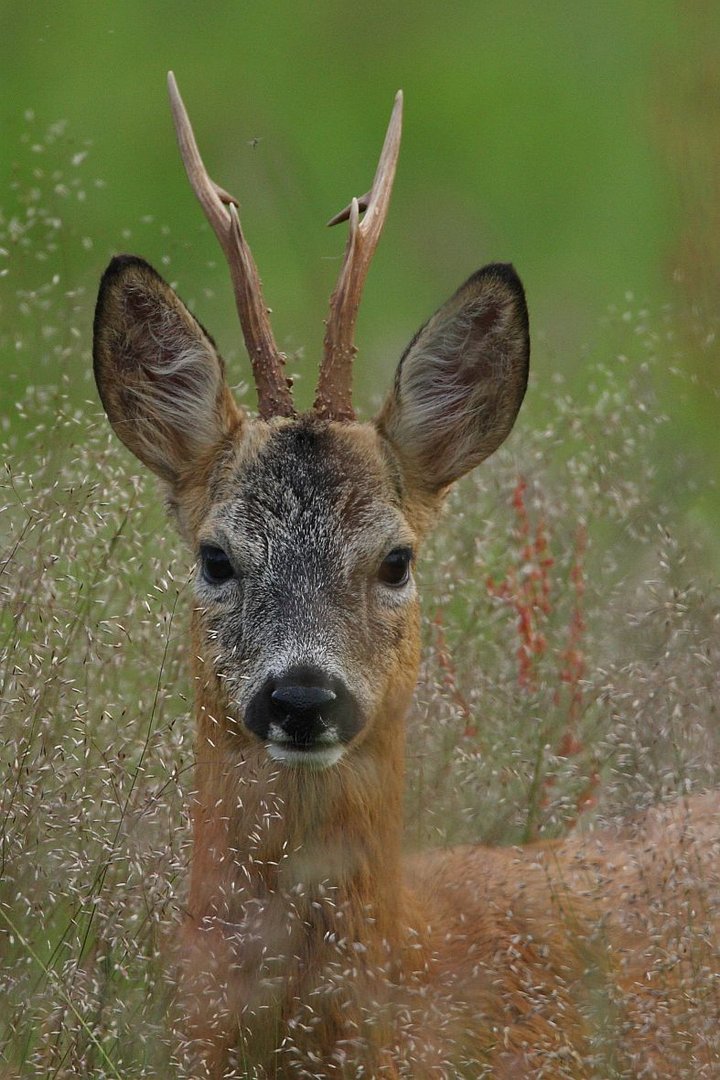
<point x="321" y="758"/>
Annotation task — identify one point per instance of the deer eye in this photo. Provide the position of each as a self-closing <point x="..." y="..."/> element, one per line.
<point x="395" y="568"/>
<point x="216" y="567"/>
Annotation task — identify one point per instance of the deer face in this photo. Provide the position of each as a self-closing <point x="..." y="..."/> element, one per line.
<point x="306" y="530"/>
<point x="304" y="583"/>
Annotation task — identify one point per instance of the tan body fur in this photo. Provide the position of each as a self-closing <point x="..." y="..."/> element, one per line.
<point x="506" y="958"/>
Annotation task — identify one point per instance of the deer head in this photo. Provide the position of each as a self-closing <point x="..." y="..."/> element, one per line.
<point x="306" y="528"/>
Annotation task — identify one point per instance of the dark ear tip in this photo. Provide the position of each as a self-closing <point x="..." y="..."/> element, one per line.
<point x="118" y="267"/>
<point x="505" y="273"/>
<point x="508" y="278"/>
<point x="120" y="264"/>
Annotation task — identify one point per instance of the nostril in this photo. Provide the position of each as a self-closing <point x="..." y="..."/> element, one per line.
<point x="302" y="701"/>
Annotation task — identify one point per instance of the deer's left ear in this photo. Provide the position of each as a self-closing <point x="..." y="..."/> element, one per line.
<point x="461" y="380"/>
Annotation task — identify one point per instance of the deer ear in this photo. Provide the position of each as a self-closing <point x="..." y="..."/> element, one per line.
<point x="461" y="380"/>
<point x="159" y="375"/>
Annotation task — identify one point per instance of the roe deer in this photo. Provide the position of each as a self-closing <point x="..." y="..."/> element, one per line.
<point x="312" y="949"/>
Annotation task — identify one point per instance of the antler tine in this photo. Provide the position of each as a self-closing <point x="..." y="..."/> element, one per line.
<point x="220" y="209"/>
<point x="333" y="396"/>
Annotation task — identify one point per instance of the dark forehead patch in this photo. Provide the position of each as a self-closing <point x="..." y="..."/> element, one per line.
<point x="309" y="465"/>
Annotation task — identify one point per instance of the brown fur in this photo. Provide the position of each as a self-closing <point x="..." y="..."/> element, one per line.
<point x="311" y="948"/>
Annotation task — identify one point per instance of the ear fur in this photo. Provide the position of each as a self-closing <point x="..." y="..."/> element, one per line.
<point x="461" y="380"/>
<point x="158" y="373"/>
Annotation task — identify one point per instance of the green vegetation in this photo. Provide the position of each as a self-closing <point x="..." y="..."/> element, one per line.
<point x="571" y="611"/>
<point x="580" y="142"/>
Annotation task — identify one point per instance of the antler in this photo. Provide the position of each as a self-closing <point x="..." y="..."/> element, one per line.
<point x="333" y="396"/>
<point x="220" y="209"/>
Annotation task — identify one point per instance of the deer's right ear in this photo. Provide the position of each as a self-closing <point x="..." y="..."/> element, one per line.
<point x="158" y="373"/>
<point x="461" y="381"/>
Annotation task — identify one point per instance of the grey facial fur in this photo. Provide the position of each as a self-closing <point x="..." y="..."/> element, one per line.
<point x="306" y="528"/>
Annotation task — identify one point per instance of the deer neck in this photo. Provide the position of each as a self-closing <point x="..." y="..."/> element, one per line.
<point x="326" y="838"/>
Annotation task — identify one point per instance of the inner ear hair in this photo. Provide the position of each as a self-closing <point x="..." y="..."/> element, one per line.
<point x="461" y="381"/>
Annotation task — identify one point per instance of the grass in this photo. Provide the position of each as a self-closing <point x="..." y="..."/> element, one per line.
<point x="92" y="765"/>
<point x="569" y="677"/>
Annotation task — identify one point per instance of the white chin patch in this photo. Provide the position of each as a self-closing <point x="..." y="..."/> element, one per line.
<point x="322" y="758"/>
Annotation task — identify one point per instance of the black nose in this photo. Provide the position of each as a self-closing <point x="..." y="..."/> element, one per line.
<point x="304" y="707"/>
<point x="302" y="702"/>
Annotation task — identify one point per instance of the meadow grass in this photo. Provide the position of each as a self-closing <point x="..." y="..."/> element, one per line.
<point x="569" y="674"/>
<point x="569" y="677"/>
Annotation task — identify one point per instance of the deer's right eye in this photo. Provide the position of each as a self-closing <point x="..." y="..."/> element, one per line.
<point x="216" y="567"/>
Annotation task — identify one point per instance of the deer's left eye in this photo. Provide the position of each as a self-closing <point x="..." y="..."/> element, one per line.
<point x="216" y="566"/>
<point x="395" y="568"/>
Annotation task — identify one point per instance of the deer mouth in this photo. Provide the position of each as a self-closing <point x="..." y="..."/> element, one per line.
<point x="313" y="757"/>
<point x="320" y="751"/>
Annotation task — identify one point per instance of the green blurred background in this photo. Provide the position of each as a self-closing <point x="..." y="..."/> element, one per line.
<point x="580" y="141"/>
